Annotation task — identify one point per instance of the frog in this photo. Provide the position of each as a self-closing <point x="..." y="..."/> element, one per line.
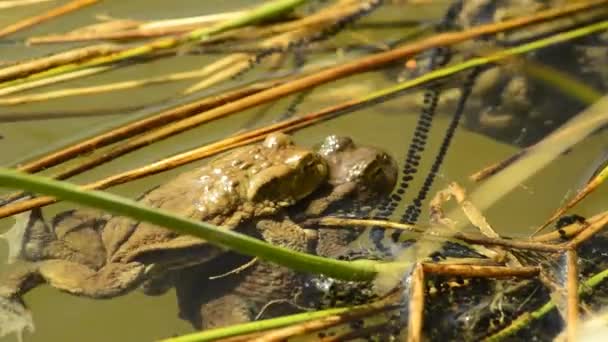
<point x="99" y="256"/>
<point x="359" y="177"/>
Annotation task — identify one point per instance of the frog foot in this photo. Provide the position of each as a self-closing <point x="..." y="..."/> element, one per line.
<point x="15" y="236"/>
<point x="29" y="232"/>
<point x="14" y="317"/>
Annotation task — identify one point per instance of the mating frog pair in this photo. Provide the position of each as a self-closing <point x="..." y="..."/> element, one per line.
<point x="253" y="190"/>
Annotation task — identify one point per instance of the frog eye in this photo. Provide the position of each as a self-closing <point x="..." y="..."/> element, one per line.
<point x="277" y="140"/>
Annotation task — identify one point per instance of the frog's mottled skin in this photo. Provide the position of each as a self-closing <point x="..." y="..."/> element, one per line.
<point x="100" y="256"/>
<point x="358" y="176"/>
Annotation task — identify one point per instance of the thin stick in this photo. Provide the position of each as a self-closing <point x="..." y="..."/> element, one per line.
<point x="416" y="305"/>
<point x="338" y="222"/>
<point x="572" y="321"/>
<point x="481" y="271"/>
<point x="58" y="11"/>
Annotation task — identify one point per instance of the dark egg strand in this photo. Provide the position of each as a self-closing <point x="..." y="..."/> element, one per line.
<point x="439" y="57"/>
<point x="413" y="211"/>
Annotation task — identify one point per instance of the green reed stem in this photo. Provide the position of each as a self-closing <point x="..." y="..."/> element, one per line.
<point x="265" y="11"/>
<point x="251" y="327"/>
<point x="346" y="270"/>
<point x="479" y="61"/>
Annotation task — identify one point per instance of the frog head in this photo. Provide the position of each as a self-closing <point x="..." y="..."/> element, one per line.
<point x="366" y="172"/>
<point x="288" y="174"/>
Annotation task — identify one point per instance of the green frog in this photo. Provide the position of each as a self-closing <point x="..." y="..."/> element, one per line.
<point x="97" y="255"/>
<point x="358" y="177"/>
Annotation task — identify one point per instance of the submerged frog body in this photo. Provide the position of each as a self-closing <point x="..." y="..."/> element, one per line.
<point x="358" y="177"/>
<point x="102" y="256"/>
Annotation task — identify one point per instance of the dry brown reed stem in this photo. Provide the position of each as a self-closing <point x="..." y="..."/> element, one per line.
<point x="58" y="11"/>
<point x="338" y="222"/>
<point x="588" y="232"/>
<point x="308" y="327"/>
<point x="572" y="289"/>
<point x="377" y="60"/>
<point x="180" y="159"/>
<point x="416" y="305"/>
<point x="40" y="64"/>
<point x="143" y="125"/>
<point x="481" y="271"/>
<point x="211" y="69"/>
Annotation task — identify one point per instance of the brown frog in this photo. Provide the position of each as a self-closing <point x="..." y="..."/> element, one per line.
<point x="103" y="256"/>
<point x="358" y="177"/>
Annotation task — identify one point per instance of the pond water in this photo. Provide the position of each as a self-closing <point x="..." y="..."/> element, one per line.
<point x="135" y="317"/>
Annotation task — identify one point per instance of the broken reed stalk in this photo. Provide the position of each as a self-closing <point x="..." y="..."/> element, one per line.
<point x="264" y="11"/>
<point x="58" y="11"/>
<point x="370" y="62"/>
<point x="287" y="125"/>
<point x="28" y="67"/>
<point x="572" y="290"/>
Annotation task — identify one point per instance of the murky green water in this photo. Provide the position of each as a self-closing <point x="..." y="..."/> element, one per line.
<point x="135" y="317"/>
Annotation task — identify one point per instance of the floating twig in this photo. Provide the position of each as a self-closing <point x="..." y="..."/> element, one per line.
<point x="416" y="305"/>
